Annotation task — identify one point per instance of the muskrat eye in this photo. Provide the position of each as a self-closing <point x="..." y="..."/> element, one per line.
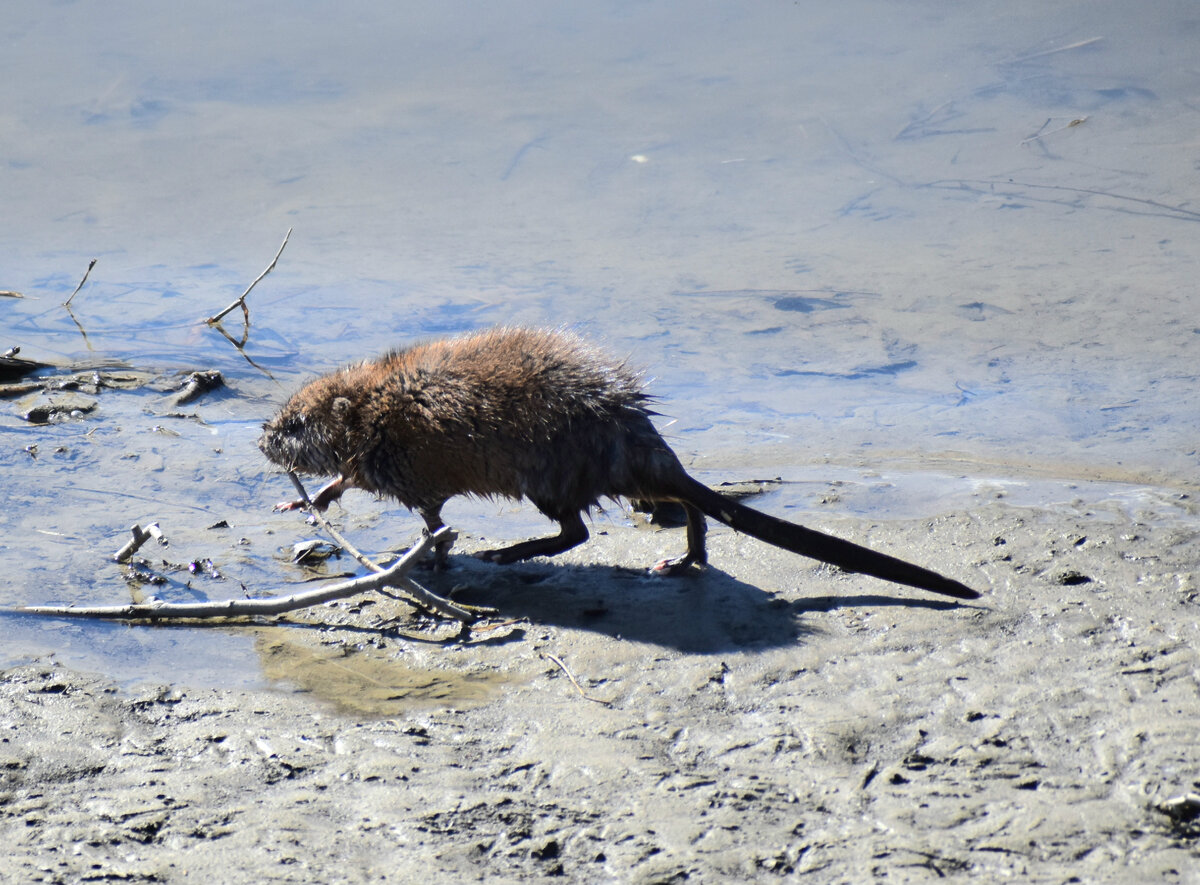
<point x="285" y="425"/>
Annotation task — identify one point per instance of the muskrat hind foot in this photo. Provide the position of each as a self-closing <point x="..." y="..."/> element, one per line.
<point x="680" y="566"/>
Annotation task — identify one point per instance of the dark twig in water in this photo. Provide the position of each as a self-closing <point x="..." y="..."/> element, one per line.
<point x="91" y="264"/>
<point x="583" y="694"/>
<point x="241" y="301"/>
<point x="78" y="325"/>
<point x="395" y="576"/>
<point x="241" y="347"/>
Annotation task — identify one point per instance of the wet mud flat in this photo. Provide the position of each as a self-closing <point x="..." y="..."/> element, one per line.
<point x="769" y="720"/>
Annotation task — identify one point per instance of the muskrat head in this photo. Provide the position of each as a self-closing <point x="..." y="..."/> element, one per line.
<point x="309" y="434"/>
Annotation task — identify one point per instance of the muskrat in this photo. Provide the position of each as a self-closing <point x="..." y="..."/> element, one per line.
<point x="522" y="413"/>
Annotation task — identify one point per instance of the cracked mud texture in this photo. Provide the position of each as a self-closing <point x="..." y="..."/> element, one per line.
<point x="770" y="720"/>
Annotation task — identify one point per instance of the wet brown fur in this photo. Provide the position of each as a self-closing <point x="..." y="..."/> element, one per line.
<point x="520" y="413"/>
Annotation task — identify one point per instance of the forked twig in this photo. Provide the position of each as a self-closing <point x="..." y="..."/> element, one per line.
<point x="395" y="576"/>
<point x="241" y="301"/>
<point x="415" y="592"/>
<point x="324" y="523"/>
<point x="139" y="537"/>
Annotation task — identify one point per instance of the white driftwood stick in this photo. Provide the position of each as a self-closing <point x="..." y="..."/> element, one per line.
<point x="394" y="576"/>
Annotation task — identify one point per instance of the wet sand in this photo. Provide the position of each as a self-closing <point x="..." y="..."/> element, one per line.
<point x="770" y="719"/>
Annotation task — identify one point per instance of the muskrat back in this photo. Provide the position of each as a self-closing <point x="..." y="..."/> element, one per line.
<point x="509" y="412"/>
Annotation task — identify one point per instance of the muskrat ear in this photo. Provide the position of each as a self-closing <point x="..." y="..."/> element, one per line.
<point x="340" y="407"/>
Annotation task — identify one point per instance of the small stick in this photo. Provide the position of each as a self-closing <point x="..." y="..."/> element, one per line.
<point x="241" y="302"/>
<point x="329" y="529"/>
<point x="418" y="594"/>
<point x="583" y="694"/>
<point x="395" y="576"/>
<point x="140" y="537"/>
<point x="430" y="601"/>
<point x="1041" y="134"/>
<point x="91" y="264"/>
<point x="1078" y="45"/>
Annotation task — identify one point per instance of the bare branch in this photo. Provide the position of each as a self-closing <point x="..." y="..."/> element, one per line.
<point x="417" y="594"/>
<point x="241" y="301"/>
<point x="583" y="694"/>
<point x="91" y="264"/>
<point x="394" y="576"/>
<point x="1042" y="134"/>
<point x="324" y="523"/>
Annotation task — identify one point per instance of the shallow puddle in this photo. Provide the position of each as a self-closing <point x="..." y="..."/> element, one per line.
<point x="366" y="679"/>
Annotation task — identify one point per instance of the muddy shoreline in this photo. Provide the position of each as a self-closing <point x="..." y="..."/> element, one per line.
<point x="772" y="719"/>
<point x="933" y="264"/>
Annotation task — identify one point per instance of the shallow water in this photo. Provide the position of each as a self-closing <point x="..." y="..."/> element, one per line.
<point x="849" y="245"/>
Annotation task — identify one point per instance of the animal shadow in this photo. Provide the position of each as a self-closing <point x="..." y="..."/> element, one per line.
<point x="706" y="613"/>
